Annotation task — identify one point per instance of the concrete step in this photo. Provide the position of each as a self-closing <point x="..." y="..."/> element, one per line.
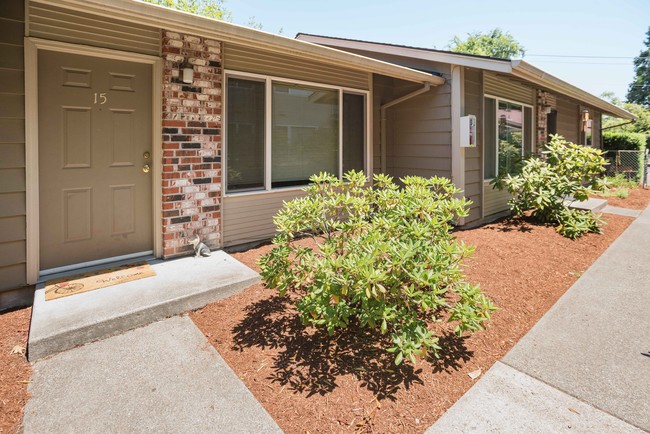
<point x="592" y="204"/>
<point x="179" y="285"/>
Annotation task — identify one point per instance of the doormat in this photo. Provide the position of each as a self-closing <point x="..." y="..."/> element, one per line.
<point x="70" y="285"/>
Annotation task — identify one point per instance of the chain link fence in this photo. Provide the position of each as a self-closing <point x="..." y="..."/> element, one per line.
<point x="631" y="164"/>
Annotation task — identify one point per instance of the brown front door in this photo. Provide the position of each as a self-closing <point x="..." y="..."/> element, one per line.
<point x="94" y="142"/>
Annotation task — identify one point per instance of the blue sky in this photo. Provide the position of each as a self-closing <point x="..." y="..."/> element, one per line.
<point x="609" y="28"/>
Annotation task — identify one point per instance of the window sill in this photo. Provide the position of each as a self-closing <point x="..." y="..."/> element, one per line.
<point x="260" y="192"/>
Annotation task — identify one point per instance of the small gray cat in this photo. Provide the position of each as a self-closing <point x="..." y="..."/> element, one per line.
<point x="200" y="249"/>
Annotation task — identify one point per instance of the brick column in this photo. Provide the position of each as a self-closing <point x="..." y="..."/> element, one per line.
<point x="542" y="104"/>
<point x="191" y="174"/>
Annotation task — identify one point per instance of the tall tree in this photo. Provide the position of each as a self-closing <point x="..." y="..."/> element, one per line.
<point x="639" y="90"/>
<point x="494" y="43"/>
<point x="208" y="8"/>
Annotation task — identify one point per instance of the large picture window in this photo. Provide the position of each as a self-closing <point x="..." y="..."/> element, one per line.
<point x="508" y="136"/>
<point x="312" y="129"/>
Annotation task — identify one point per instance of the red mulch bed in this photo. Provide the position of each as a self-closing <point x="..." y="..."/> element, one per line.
<point x="15" y="370"/>
<point x="311" y="383"/>
<point x="639" y="198"/>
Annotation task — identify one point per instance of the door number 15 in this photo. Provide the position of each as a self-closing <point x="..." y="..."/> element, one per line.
<point x="100" y="98"/>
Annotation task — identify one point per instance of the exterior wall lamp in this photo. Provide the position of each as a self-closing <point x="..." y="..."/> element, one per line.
<point x="187" y="73"/>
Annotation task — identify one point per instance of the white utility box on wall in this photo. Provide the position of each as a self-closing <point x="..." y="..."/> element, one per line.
<point x="468" y="131"/>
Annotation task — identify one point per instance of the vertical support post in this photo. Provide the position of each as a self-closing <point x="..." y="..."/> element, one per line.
<point x="457" y="153"/>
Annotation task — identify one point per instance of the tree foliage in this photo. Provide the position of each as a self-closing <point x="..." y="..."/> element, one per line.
<point x="494" y="43"/>
<point x="640" y="125"/>
<point x="639" y="90"/>
<point x="207" y="8"/>
<point x="384" y="259"/>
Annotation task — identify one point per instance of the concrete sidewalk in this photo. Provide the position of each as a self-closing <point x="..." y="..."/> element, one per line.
<point x="585" y="366"/>
<point x="162" y="378"/>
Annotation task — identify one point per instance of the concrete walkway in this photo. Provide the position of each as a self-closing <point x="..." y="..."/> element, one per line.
<point x="585" y="366"/>
<point x="162" y="378"/>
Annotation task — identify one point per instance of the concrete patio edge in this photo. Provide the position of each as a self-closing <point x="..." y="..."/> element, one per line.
<point x="179" y="286"/>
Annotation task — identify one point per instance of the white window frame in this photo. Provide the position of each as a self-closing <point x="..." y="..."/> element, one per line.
<point x="268" y="129"/>
<point x="496" y="130"/>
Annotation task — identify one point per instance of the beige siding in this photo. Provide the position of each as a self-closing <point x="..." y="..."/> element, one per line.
<point x="50" y="22"/>
<point x="494" y="201"/>
<point x="507" y="88"/>
<point x="473" y="174"/>
<point x="12" y="148"/>
<point x="249" y="217"/>
<point x="419" y="133"/>
<point x="568" y="118"/>
<point x="253" y="60"/>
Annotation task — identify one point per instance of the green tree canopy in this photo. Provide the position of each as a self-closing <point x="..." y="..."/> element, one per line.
<point x="641" y="125"/>
<point x="639" y="90"/>
<point x="494" y="43"/>
<point x="208" y="8"/>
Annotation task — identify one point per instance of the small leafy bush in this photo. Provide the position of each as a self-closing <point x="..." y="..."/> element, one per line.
<point x="384" y="258"/>
<point x="616" y="186"/>
<point x="567" y="173"/>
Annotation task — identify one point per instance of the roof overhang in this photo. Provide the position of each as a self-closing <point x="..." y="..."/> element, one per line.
<point x="498" y="65"/>
<point x="139" y="12"/>
<point x="516" y="68"/>
<point x="525" y="71"/>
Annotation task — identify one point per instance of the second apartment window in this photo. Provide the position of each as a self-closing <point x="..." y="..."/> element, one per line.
<point x="305" y="136"/>
<point x="280" y="134"/>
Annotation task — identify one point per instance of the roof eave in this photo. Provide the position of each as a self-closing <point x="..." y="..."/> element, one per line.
<point x="411" y="52"/>
<point x="528" y="72"/>
<point x="149" y="14"/>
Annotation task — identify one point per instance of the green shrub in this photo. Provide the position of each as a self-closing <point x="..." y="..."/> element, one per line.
<point x="385" y="259"/>
<point x="568" y="172"/>
<point x="615" y="186"/>
<point x="617" y="181"/>
<point x="623" y="141"/>
<point x="622" y="193"/>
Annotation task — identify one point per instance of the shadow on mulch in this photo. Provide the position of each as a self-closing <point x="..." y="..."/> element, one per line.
<point x="310" y="360"/>
<point x="509" y="224"/>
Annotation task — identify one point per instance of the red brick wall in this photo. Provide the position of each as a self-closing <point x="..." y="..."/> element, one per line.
<point x="543" y="103"/>
<point x="192" y="143"/>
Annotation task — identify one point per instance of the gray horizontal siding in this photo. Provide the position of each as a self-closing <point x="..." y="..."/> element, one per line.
<point x="247" y="59"/>
<point x="473" y="87"/>
<point x="419" y="133"/>
<point x="12" y="148"/>
<point x="507" y="88"/>
<point x="494" y="201"/>
<point x="51" y="22"/>
<point x="249" y="217"/>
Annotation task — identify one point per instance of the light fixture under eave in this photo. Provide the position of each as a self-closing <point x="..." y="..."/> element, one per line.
<point x="187" y="73"/>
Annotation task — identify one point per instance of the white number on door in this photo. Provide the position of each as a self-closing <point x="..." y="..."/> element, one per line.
<point x="100" y="98"/>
